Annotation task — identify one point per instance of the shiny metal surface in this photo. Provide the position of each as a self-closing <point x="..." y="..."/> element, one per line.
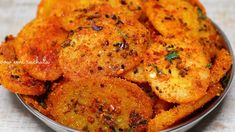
<point x="182" y="127"/>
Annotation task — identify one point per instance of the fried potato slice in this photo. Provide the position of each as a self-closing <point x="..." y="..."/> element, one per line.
<point x="173" y="17"/>
<point x="38" y="45"/>
<point x="209" y="37"/>
<point x="221" y="65"/>
<point x="12" y="75"/>
<point x="167" y="118"/>
<point x="176" y="70"/>
<point x="137" y="74"/>
<point x="105" y="42"/>
<point x="95" y="104"/>
<point x="49" y="7"/>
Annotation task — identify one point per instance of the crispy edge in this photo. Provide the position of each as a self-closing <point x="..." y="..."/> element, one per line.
<point x="39" y="41"/>
<point x="168" y="118"/>
<point x="221" y="66"/>
<point x="137" y="74"/>
<point x="17" y="84"/>
<point x="198" y="4"/>
<point x="31" y="101"/>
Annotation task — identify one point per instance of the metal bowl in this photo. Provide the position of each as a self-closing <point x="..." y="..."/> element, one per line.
<point x="181" y="127"/>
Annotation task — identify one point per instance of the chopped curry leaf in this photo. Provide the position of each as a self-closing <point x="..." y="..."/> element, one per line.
<point x="122" y="34"/>
<point x="209" y="65"/>
<point x="157" y="69"/>
<point x="172" y="56"/>
<point x="201" y="15"/>
<point x="225" y="80"/>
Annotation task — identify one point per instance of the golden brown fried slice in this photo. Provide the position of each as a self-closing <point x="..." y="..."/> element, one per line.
<point x="221" y="65"/>
<point x="168" y="118"/>
<point x="48" y="7"/>
<point x="38" y="45"/>
<point x="137" y="74"/>
<point x="12" y="75"/>
<point x="173" y="17"/>
<point x="176" y="70"/>
<point x="209" y="37"/>
<point x="105" y="42"/>
<point x="100" y="103"/>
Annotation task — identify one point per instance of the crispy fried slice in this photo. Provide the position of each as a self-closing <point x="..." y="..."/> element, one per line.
<point x="12" y="75"/>
<point x="210" y="38"/>
<point x="173" y="17"/>
<point x="48" y="7"/>
<point x="38" y="45"/>
<point x="176" y="70"/>
<point x="168" y="118"/>
<point x="105" y="42"/>
<point x="137" y="74"/>
<point x="221" y="65"/>
<point x="51" y="7"/>
<point x="188" y="18"/>
<point x="100" y="103"/>
<point x="32" y="101"/>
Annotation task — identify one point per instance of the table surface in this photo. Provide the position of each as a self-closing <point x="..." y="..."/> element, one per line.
<point x="14" y="14"/>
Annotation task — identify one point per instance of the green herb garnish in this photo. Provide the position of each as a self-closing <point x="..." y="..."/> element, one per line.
<point x="209" y="66"/>
<point x="201" y="15"/>
<point x="122" y="33"/>
<point x="224" y="81"/>
<point x="156" y="68"/>
<point x="172" y="56"/>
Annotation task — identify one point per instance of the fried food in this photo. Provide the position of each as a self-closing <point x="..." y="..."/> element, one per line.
<point x="12" y="75"/>
<point x="38" y="45"/>
<point x="95" y="104"/>
<point x="221" y="66"/>
<point x="137" y="74"/>
<point x="173" y="17"/>
<point x="168" y="118"/>
<point x="161" y="106"/>
<point x="117" y="65"/>
<point x="176" y="70"/>
<point x="105" y="43"/>
<point x="49" y="7"/>
<point x="32" y="101"/>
